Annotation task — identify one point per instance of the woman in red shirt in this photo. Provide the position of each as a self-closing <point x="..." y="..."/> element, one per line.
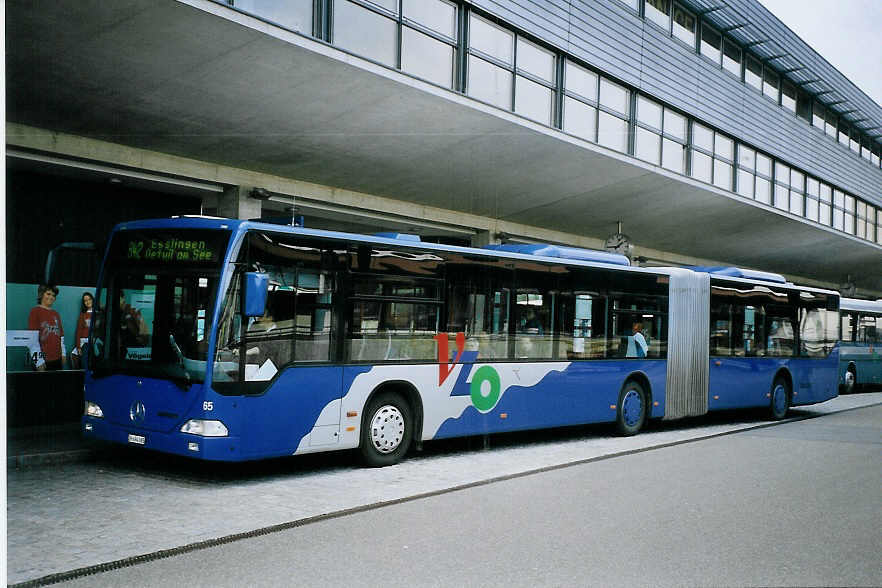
<point x="82" y="334"/>
<point x="48" y="323"/>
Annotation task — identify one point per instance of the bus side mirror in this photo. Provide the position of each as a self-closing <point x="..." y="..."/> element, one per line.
<point x="256" y="287"/>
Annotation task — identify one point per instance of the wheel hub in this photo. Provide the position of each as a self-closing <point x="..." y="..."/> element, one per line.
<point x="387" y="429"/>
<point x="779" y="397"/>
<point x="632" y="407"/>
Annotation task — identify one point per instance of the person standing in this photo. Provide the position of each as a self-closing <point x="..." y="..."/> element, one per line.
<point x="83" y="325"/>
<point x="47" y="322"/>
<point x="639" y="340"/>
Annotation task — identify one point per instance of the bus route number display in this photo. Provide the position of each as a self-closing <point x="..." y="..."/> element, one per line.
<point x="170" y="250"/>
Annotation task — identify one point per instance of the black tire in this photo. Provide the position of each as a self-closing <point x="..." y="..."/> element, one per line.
<point x="780" y="397"/>
<point x="386" y="430"/>
<point x="850" y="384"/>
<point x="632" y="409"/>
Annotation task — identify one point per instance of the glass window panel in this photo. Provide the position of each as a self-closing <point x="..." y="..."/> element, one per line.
<point x="732" y="58"/>
<point x="491" y="39"/>
<point x="811" y="209"/>
<point x="848" y="221"/>
<point x="753" y="72"/>
<point x="711" y="43"/>
<point x="533" y="100"/>
<point x="796" y="202"/>
<point x="580" y="119"/>
<point x="843" y="136"/>
<point x="489" y="83"/>
<point x="612" y="132"/>
<point x="364" y="32"/>
<point x="838" y="219"/>
<point x="722" y="174"/>
<point x="581" y="81"/>
<point x="763" y="191"/>
<point x="875" y="160"/>
<point x="804" y="106"/>
<point x="674" y="156"/>
<point x="763" y="165"/>
<point x="536" y="60"/>
<point x="703" y="137"/>
<point x="824" y="213"/>
<point x="830" y="123"/>
<point x="649" y="112"/>
<point x="788" y="96"/>
<point x="390" y="5"/>
<point x="426" y="57"/>
<point x="797" y="180"/>
<point x="684" y="25"/>
<point x="770" y="83"/>
<point x="818" y="116"/>
<point x="861" y="228"/>
<point x="675" y="124"/>
<point x="782" y="197"/>
<point x="782" y="173"/>
<point x="659" y="12"/>
<point x="838" y="199"/>
<point x="614" y="96"/>
<point x="433" y="14"/>
<point x="854" y="144"/>
<point x="701" y="166"/>
<point x="746" y="157"/>
<point x="745" y="183"/>
<point x="849" y="203"/>
<point x="291" y="14"/>
<point x="812" y="187"/>
<point x="647" y="146"/>
<point x="724" y="147"/>
<point x="826" y="193"/>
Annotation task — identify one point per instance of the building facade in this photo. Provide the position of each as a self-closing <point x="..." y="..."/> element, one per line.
<point x="681" y="132"/>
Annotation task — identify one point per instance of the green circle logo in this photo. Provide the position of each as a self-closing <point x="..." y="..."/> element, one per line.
<point x="485" y="402"/>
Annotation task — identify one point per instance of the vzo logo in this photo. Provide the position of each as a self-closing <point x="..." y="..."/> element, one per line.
<point x="485" y="388"/>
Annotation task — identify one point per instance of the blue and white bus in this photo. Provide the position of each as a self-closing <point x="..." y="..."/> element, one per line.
<point x="860" y="355"/>
<point x="237" y="340"/>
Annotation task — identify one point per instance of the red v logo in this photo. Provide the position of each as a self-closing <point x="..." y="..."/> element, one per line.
<point x="445" y="368"/>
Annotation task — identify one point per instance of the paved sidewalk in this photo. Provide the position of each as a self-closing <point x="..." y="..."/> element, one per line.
<point x="126" y="505"/>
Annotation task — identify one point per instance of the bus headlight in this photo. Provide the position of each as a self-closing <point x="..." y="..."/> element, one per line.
<point x="93" y="410"/>
<point x="205" y="428"/>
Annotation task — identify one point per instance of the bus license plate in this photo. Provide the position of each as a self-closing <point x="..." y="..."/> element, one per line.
<point x="137" y="439"/>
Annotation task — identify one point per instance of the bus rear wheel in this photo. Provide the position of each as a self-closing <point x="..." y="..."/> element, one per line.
<point x="386" y="431"/>
<point x="631" y="413"/>
<point x="780" y="399"/>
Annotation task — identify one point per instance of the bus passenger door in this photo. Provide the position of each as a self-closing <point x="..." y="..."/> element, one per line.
<point x="736" y="375"/>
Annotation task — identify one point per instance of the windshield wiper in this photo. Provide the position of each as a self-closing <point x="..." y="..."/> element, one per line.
<point x="185" y="374"/>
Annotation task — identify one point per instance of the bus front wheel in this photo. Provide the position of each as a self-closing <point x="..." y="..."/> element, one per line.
<point x="780" y="401"/>
<point x="386" y="431"/>
<point x="631" y="413"/>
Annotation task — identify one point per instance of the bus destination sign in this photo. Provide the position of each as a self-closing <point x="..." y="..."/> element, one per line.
<point x="170" y="250"/>
<point x="170" y="247"/>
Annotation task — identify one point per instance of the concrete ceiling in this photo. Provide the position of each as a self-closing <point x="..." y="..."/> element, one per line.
<point x="172" y="77"/>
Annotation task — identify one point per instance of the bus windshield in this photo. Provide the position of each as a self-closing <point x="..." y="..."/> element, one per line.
<point x="155" y="304"/>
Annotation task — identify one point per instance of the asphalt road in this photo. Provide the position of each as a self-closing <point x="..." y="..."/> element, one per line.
<point x="796" y="504"/>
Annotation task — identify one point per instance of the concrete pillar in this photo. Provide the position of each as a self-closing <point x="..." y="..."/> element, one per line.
<point x="236" y="202"/>
<point x="482" y="238"/>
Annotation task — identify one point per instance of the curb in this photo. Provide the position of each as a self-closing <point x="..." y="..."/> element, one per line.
<point x="49" y="458"/>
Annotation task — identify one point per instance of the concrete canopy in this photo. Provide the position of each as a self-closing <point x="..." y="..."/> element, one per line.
<point x="200" y="80"/>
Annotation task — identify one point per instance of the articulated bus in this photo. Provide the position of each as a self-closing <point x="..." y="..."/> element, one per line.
<point x="237" y="340"/>
<point x="860" y="353"/>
